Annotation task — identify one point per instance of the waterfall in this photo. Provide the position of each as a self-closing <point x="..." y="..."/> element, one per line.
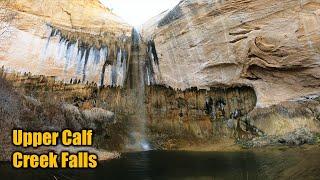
<point x="136" y="89"/>
<point x="108" y="66"/>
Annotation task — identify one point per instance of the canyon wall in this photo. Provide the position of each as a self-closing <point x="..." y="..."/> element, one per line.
<point x="203" y="72"/>
<point x="53" y="57"/>
<point x="269" y="45"/>
<point x="163" y="117"/>
<point x="79" y="41"/>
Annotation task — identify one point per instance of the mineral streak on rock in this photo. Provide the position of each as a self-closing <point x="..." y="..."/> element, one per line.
<point x="196" y="113"/>
<point x="80" y="40"/>
<point x="151" y="64"/>
<point x="177" y="114"/>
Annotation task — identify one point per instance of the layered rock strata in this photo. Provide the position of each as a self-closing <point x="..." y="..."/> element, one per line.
<point x="268" y="45"/>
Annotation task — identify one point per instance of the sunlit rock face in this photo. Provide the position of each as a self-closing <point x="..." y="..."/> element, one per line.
<point x="270" y="45"/>
<point x="75" y="41"/>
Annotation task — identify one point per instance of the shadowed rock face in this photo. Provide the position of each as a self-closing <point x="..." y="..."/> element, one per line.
<point x="195" y="115"/>
<point x="157" y="113"/>
<point x="171" y="16"/>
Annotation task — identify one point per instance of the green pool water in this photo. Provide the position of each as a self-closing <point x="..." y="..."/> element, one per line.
<point x="286" y="163"/>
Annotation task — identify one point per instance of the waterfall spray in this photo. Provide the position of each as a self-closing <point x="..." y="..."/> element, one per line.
<point x="136" y="89"/>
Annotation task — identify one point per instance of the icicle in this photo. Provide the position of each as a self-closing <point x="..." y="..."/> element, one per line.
<point x="80" y="59"/>
<point x="60" y="50"/>
<point x="124" y="66"/>
<point x="69" y="54"/>
<point x="85" y="65"/>
<point x="44" y="56"/>
<point x="118" y="66"/>
<point x="103" y="58"/>
<point x="114" y="76"/>
<point x="96" y="56"/>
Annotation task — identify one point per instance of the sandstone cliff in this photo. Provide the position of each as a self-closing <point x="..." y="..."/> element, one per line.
<point x="270" y="45"/>
<point x="203" y="72"/>
<point x="80" y="40"/>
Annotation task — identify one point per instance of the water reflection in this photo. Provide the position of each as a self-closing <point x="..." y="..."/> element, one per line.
<point x="176" y="165"/>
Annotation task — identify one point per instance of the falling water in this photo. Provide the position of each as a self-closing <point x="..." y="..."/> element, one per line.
<point x="136" y="89"/>
<point x="108" y="67"/>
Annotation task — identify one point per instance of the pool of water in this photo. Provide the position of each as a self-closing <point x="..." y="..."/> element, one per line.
<point x="280" y="164"/>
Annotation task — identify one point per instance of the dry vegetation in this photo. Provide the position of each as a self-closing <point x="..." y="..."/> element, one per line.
<point x="21" y="110"/>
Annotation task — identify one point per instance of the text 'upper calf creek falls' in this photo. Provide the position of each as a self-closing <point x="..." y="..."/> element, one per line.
<point x="205" y="75"/>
